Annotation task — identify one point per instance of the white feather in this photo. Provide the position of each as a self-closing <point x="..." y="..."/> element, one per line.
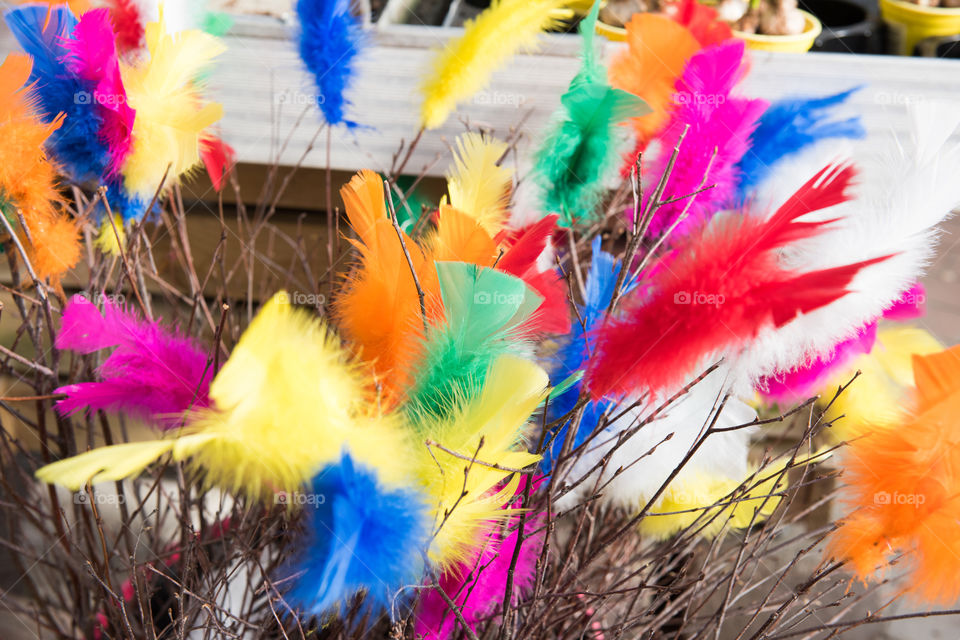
<point x="902" y="199"/>
<point x="652" y="452"/>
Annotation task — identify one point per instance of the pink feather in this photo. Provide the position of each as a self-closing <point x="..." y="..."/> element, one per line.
<point x="478" y="587"/>
<point x="717" y="120"/>
<point x="153" y="373"/>
<point x="92" y="55"/>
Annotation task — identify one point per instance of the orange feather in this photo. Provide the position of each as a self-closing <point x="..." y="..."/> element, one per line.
<point x="28" y="178"/>
<point x="380" y="309"/>
<point x="657" y="51"/>
<point x="904" y="488"/>
<point x="460" y="238"/>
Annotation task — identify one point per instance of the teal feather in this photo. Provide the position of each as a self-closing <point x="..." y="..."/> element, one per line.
<point x="583" y="146"/>
<point x="483" y="309"/>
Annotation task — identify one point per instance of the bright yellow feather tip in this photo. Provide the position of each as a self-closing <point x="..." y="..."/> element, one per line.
<point x="111" y="237"/>
<point x="464" y="65"/>
<point x="878" y="396"/>
<point x="488" y="431"/>
<point x="171" y="113"/>
<point x="288" y="401"/>
<point x="478" y="186"/>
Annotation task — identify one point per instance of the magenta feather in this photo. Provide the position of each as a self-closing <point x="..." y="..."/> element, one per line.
<point x="717" y="120"/>
<point x="478" y="587"/>
<point x="154" y="372"/>
<point x="92" y="55"/>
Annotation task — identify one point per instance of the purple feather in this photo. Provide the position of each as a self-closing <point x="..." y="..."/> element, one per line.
<point x="154" y="373"/>
<point x="478" y="587"/>
<point x="717" y="120"/>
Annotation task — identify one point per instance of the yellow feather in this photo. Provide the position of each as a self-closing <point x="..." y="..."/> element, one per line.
<point x="462" y="486"/>
<point x="108" y="240"/>
<point x="477" y="186"/>
<point x="465" y="64"/>
<point x="878" y="396"/>
<point x="287" y="401"/>
<point x="171" y="113"/>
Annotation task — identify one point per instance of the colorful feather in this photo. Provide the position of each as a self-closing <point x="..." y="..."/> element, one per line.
<point x="464" y="462"/>
<point x="330" y="40"/>
<point x="484" y="309"/>
<point x="379" y="310"/>
<point x="903" y="488"/>
<point x="285" y="404"/>
<point x="702" y="20"/>
<point x="128" y="22"/>
<point x="361" y="535"/>
<point x="789" y="126"/>
<point x="714" y="294"/>
<point x="477" y="587"/>
<point x="154" y="373"/>
<point x="909" y="195"/>
<point x="657" y="52"/>
<point x="44" y="33"/>
<point x="171" y="114"/>
<point x="582" y="146"/>
<point x="478" y="185"/>
<point x="465" y="64"/>
<point x="716" y="122"/>
<point x="218" y="158"/>
<point x="92" y="56"/>
<point x="28" y="179"/>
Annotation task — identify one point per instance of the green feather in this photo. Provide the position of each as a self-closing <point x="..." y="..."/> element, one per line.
<point x="483" y="310"/>
<point x="582" y="147"/>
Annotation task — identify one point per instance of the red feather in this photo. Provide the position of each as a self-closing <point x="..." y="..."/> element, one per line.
<point x="128" y="25"/>
<point x="553" y="314"/>
<point x="721" y="285"/>
<point x="218" y="157"/>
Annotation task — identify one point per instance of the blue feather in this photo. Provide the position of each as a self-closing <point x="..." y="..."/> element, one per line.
<point x="361" y="536"/>
<point x="788" y="127"/>
<point x="123" y="203"/>
<point x="330" y="39"/>
<point x="76" y="145"/>
<point x="599" y="286"/>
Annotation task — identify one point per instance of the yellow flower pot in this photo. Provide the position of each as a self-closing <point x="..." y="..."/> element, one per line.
<point x="910" y="23"/>
<point x="798" y="43"/>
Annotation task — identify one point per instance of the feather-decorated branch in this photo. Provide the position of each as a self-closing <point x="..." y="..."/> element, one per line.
<point x="717" y="291"/>
<point x="465" y="64"/>
<point x="329" y="42"/>
<point x="478" y="185"/>
<point x="583" y="147"/>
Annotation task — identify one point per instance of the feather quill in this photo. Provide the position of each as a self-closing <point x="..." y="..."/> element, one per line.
<point x="903" y="488"/>
<point x="465" y="64"/>
<point x="719" y="122"/>
<point x="285" y="404"/>
<point x="657" y="52"/>
<point x="788" y="127"/>
<point x="582" y="145"/>
<point x="329" y="42"/>
<point x="155" y="373"/>
<point x="171" y="114"/>
<point x="478" y="186"/>
<point x="717" y="291"/>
